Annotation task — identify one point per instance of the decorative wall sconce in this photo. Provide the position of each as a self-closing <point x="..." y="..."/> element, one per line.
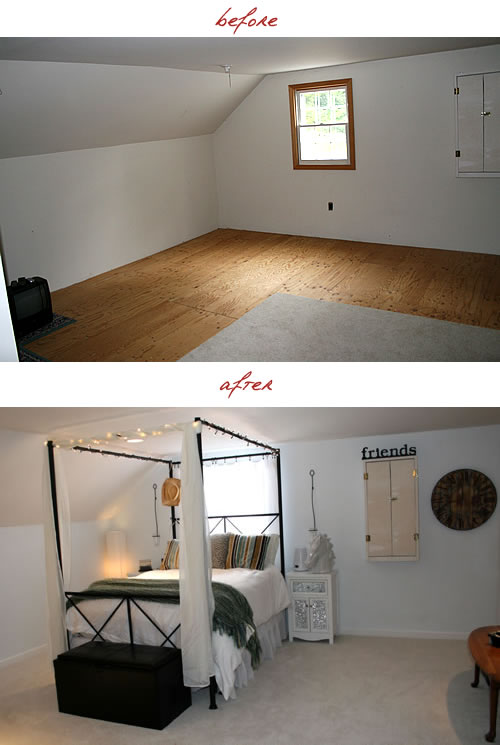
<point x="156" y="536"/>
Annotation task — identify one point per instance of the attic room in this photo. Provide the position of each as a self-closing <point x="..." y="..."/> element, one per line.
<point x="288" y="199"/>
<point x="387" y="657"/>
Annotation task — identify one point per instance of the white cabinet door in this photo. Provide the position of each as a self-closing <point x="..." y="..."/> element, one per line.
<point x="300" y="615"/>
<point x="318" y="614"/>
<point x="470" y="123"/>
<point x="478" y="124"/>
<point x="404" y="517"/>
<point x="491" y="119"/>
<point x="378" y="507"/>
<point x="391" y="509"/>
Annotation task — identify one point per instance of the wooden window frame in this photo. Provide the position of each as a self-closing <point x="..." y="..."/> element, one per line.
<point x="325" y="84"/>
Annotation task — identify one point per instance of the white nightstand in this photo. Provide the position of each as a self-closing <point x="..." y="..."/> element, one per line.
<point x="312" y="614"/>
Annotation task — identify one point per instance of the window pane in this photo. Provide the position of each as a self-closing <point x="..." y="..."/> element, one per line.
<point x="340" y="96"/>
<point x="341" y="113"/>
<point x="307" y="108"/>
<point x="323" y="143"/>
<point x="317" y="107"/>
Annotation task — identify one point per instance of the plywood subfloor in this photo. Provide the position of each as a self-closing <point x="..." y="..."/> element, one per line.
<point x="161" y="307"/>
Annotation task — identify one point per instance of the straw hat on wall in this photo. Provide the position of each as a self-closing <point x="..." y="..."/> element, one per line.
<point x="171" y="492"/>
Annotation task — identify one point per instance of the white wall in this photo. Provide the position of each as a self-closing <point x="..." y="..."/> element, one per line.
<point x="23" y="617"/>
<point x="107" y="493"/>
<point x="404" y="189"/>
<point x="454" y="586"/>
<point x="22" y="566"/>
<point x="69" y="216"/>
<point x="8" y="349"/>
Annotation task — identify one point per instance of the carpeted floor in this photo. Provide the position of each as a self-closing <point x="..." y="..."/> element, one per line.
<point x="289" y="328"/>
<point x="360" y="691"/>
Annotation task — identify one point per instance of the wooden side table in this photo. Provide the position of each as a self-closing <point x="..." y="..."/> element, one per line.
<point x="487" y="660"/>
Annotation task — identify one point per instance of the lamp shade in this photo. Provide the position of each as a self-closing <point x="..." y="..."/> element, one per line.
<point x="116" y="553"/>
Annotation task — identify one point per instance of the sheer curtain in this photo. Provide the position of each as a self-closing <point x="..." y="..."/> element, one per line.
<point x="195" y="567"/>
<point x="237" y="487"/>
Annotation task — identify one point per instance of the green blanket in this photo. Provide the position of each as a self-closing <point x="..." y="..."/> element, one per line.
<point x="232" y="615"/>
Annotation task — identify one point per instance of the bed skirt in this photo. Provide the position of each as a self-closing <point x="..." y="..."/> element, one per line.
<point x="237" y="669"/>
<point x="271" y="634"/>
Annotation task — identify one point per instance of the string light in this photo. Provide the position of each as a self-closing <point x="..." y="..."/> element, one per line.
<point x="140" y="435"/>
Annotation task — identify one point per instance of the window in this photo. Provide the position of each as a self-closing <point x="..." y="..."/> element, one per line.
<point x="240" y="488"/>
<point x="322" y="124"/>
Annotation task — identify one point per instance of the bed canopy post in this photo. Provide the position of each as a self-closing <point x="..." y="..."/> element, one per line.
<point x="200" y="446"/>
<point x="173" y="520"/>
<point x="280" y="510"/>
<point x="53" y="493"/>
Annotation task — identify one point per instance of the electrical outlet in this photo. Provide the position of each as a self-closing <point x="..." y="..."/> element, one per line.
<point x="330" y="206"/>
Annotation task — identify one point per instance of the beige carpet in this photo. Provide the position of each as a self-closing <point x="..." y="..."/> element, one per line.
<point x="289" y="328"/>
<point x="361" y="691"/>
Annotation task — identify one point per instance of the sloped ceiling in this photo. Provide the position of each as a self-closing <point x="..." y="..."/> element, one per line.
<point x="251" y="56"/>
<point x="271" y="425"/>
<point x="61" y="94"/>
<point x="48" y="107"/>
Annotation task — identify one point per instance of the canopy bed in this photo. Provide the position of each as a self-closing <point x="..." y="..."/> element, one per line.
<point x="222" y="619"/>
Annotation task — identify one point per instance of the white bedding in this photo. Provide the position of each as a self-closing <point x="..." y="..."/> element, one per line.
<point x="265" y="591"/>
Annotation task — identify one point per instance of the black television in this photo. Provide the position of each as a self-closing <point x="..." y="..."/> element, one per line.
<point x="30" y="304"/>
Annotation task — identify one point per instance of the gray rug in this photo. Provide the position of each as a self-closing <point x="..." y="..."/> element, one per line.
<point x="287" y="328"/>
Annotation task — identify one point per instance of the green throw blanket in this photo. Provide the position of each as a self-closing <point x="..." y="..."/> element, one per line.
<point x="232" y="615"/>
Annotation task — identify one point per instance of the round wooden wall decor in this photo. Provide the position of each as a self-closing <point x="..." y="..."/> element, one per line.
<point x="464" y="499"/>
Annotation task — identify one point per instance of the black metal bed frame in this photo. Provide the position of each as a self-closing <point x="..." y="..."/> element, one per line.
<point x="174" y="520"/>
<point x="128" y="599"/>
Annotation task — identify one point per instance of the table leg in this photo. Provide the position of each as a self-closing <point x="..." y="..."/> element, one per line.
<point x="490" y="737"/>
<point x="476" y="677"/>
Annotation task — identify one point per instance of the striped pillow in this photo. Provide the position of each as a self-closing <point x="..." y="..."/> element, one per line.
<point x="247" y="551"/>
<point x="171" y="556"/>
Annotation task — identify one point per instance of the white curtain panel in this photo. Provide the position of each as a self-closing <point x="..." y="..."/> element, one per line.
<point x="56" y="601"/>
<point x="195" y="567"/>
<point x="236" y="487"/>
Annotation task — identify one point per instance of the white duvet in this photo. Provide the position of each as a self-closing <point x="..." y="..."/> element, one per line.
<point x="265" y="591"/>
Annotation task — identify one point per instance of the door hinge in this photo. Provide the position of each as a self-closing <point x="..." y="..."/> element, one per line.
<point x="416" y="536"/>
<point x="365" y="476"/>
<point x="457" y="153"/>
<point x="368" y="538"/>
<point x="415" y="474"/>
<point x="456" y="91"/>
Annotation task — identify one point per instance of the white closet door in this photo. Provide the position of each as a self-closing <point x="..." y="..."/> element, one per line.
<point x="470" y="123"/>
<point x="492" y="122"/>
<point x="379" y="509"/>
<point x="404" y="508"/>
